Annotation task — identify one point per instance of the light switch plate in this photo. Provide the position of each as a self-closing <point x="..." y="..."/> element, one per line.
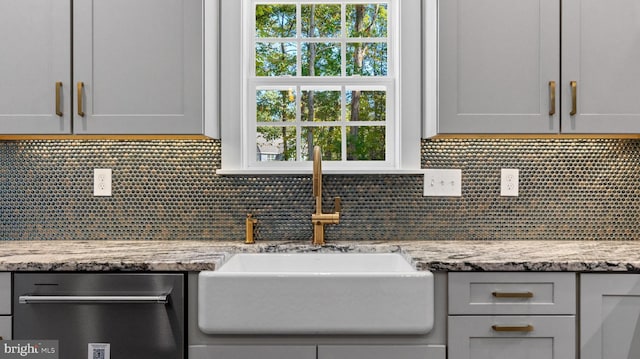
<point x="443" y="183"/>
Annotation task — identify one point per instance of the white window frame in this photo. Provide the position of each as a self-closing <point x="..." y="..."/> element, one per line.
<point x="238" y="141"/>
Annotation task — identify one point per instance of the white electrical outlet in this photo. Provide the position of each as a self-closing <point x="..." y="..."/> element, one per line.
<point x="509" y="179"/>
<point x="102" y="182"/>
<point x="443" y="183"/>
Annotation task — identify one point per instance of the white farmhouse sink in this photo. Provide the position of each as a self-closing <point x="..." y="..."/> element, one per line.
<point x="315" y="293"/>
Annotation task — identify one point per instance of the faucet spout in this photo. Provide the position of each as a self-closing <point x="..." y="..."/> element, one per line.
<point x="319" y="219"/>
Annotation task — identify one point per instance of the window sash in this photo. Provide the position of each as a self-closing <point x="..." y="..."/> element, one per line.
<point x="343" y="123"/>
<point x="300" y="83"/>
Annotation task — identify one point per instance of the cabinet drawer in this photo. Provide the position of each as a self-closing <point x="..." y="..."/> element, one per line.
<point x="5" y="327"/>
<point x="5" y="293"/>
<point x="252" y="351"/>
<point x="381" y="351"/>
<point x="548" y="337"/>
<point x="512" y="293"/>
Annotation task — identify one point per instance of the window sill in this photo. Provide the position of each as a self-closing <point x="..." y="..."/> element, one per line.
<point x="303" y="171"/>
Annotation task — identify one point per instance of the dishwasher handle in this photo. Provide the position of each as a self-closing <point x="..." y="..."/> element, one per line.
<point x="93" y="299"/>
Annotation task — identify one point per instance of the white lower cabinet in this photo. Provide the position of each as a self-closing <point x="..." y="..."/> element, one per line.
<point x="511" y="337"/>
<point x="317" y="352"/>
<point x="381" y="352"/>
<point x="5" y="306"/>
<point x="610" y="316"/>
<point x="5" y="327"/>
<point x="512" y="315"/>
<point x="252" y="351"/>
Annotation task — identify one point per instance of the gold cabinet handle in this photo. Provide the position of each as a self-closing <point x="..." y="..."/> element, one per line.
<point x="58" y="98"/>
<point x="506" y="328"/>
<point x="552" y="98"/>
<point x="80" y="90"/>
<point x="512" y="295"/>
<point x="574" y="98"/>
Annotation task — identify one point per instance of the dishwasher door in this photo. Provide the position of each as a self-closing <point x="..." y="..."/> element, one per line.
<point x="140" y="315"/>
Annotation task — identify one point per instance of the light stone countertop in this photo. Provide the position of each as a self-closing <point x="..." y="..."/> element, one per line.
<point x="178" y="255"/>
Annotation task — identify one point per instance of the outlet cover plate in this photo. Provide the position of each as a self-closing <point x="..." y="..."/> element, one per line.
<point x="102" y="182"/>
<point x="443" y="183"/>
<point x="509" y="182"/>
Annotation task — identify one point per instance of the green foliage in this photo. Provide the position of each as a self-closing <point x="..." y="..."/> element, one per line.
<point x="367" y="20"/>
<point x="320" y="20"/>
<point x="366" y="143"/>
<point x="373" y="62"/>
<point x="371" y="104"/>
<point x="275" y="106"/>
<point x="276" y="20"/>
<point x="328" y="138"/>
<point x="327" y="59"/>
<point x="326" y="106"/>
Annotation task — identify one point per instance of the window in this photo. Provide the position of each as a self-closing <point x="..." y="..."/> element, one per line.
<point x="319" y="72"/>
<point x="322" y="76"/>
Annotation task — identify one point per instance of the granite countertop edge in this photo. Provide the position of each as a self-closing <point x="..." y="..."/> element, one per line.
<point x="433" y="255"/>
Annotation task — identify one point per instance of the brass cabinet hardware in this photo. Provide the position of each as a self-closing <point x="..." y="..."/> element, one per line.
<point x="80" y="90"/>
<point x="58" y="96"/>
<point x="505" y="328"/>
<point x="512" y="295"/>
<point x="552" y="98"/>
<point x="574" y="98"/>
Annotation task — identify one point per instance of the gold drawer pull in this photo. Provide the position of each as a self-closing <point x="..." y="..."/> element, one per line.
<point x="58" y="95"/>
<point x="552" y="98"/>
<point x="574" y="98"/>
<point x="501" y="328"/>
<point x="80" y="90"/>
<point x="512" y="295"/>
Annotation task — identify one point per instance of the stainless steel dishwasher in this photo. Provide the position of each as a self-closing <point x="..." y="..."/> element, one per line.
<point x="107" y="315"/>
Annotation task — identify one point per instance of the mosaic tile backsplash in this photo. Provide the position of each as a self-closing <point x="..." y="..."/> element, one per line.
<point x="569" y="190"/>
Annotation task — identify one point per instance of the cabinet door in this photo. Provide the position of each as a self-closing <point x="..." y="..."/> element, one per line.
<point x="5" y="293"/>
<point x="141" y="65"/>
<point x="381" y="352"/>
<point x="601" y="53"/>
<point x="471" y="337"/>
<point x="252" y="352"/>
<point x="36" y="53"/>
<point x="5" y="327"/>
<point x="496" y="59"/>
<point x="610" y="316"/>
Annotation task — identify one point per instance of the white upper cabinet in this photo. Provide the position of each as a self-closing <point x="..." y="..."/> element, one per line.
<point x="137" y="67"/>
<point x="500" y="63"/>
<point x="140" y="62"/>
<point x="601" y="53"/>
<point x="35" y="66"/>
<point x="496" y="58"/>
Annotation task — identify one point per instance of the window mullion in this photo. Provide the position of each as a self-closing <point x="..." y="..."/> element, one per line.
<point x="343" y="36"/>
<point x="343" y="123"/>
<point x="297" y="39"/>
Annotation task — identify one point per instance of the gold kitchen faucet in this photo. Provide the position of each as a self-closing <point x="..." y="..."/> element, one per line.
<point x="319" y="219"/>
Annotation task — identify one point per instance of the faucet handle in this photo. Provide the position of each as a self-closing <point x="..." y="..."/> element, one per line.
<point x="337" y="204"/>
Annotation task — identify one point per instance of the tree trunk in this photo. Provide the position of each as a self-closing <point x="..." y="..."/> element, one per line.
<point x="312" y="72"/>
<point x="358" y="59"/>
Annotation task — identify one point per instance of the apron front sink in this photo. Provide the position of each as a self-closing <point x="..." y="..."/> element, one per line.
<point x="316" y="293"/>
